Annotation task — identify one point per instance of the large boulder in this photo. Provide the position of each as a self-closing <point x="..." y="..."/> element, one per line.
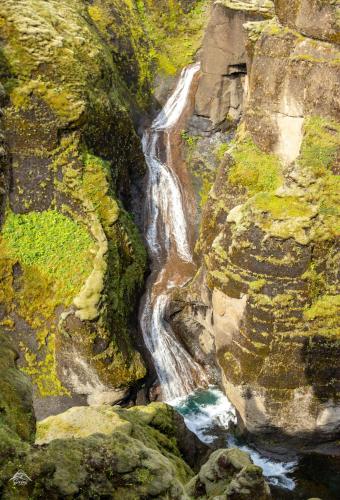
<point x="314" y="18"/>
<point x="229" y="474"/>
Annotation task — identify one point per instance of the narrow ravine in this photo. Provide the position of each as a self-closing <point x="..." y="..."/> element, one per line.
<point x="169" y="245"/>
<point x="207" y="412"/>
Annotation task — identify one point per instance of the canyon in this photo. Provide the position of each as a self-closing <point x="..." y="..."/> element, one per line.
<point x="169" y="265"/>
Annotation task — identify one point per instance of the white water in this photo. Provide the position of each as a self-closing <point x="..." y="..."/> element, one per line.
<point x="167" y="237"/>
<point x="207" y="413"/>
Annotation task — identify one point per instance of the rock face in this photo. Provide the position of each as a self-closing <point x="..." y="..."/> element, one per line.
<point x="92" y="452"/>
<point x="266" y="297"/>
<point x="219" y="97"/>
<point x="314" y="19"/>
<point x="70" y="253"/>
<point x="72" y="263"/>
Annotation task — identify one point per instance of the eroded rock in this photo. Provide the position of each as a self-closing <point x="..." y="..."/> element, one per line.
<point x="312" y="18"/>
<point x="219" y="98"/>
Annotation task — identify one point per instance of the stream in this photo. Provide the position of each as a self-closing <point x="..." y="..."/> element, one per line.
<point x="184" y="385"/>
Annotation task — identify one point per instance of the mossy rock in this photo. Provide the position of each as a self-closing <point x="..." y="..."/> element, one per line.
<point x="228" y="474"/>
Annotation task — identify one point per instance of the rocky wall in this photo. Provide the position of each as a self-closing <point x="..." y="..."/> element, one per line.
<point x="266" y="297"/>
<point x="219" y="97"/>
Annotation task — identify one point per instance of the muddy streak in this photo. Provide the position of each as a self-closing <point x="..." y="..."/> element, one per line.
<point x="169" y="207"/>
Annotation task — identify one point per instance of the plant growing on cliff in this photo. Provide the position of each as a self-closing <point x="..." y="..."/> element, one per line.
<point x="253" y="169"/>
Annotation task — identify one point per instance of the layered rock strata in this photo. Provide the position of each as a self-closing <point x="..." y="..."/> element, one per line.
<point x="266" y="297"/>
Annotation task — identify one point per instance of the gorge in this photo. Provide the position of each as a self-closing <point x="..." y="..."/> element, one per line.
<point x="169" y="265"/>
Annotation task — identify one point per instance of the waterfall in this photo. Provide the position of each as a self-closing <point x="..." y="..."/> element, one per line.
<point x="169" y="247"/>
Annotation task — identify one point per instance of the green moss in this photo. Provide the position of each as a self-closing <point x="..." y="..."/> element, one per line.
<point x="44" y="372"/>
<point x="221" y="150"/>
<point x="96" y="184"/>
<point x="54" y="253"/>
<point x="327" y="306"/>
<point x="174" y="35"/>
<point x="253" y="169"/>
<point x="257" y="285"/>
<point x="55" y="245"/>
<point x="281" y="208"/>
<point x="321" y="143"/>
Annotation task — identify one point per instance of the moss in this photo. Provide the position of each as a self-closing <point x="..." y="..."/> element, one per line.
<point x="174" y="35"/>
<point x="282" y="208"/>
<point x="54" y="255"/>
<point x="16" y="414"/>
<point x="257" y="285"/>
<point x="265" y="7"/>
<point x="54" y="245"/>
<point x="44" y="372"/>
<point x="221" y="150"/>
<point x="253" y="169"/>
<point x="327" y="306"/>
<point x="96" y="184"/>
<point x="320" y="146"/>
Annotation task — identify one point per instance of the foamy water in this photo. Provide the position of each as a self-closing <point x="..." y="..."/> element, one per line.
<point x="208" y="413"/>
<point x="168" y="244"/>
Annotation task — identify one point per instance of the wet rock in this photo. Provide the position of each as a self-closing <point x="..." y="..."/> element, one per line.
<point x="229" y="474"/>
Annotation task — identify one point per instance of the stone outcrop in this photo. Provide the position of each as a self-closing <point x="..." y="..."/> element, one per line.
<point x="219" y="97"/>
<point x="313" y="18"/>
<point x="103" y="451"/>
<point x="266" y="297"/>
<point x="229" y="474"/>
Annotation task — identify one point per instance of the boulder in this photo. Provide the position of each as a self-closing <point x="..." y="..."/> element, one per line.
<point x="229" y="474"/>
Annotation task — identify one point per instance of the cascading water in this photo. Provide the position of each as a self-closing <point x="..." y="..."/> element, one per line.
<point x="206" y="412"/>
<point x="169" y="247"/>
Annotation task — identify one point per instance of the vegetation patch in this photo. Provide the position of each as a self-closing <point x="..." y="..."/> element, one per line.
<point x="55" y="245"/>
<point x="175" y="36"/>
<point x="282" y="207"/>
<point x="320" y="146"/>
<point x="253" y="169"/>
<point x="327" y="306"/>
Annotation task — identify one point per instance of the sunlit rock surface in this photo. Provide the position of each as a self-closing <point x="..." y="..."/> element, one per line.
<point x="266" y="297"/>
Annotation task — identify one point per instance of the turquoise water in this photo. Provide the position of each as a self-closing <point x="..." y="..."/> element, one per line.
<point x="208" y="413"/>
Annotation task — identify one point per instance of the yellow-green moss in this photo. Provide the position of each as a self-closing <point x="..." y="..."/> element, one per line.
<point x="96" y="187"/>
<point x="174" y="35"/>
<point x="281" y="207"/>
<point x="253" y="169"/>
<point x="43" y="372"/>
<point x="327" y="306"/>
<point x="320" y="146"/>
<point x="54" y="245"/>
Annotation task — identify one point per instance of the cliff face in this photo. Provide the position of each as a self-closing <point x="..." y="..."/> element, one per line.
<point x="219" y="97"/>
<point x="73" y="76"/>
<point x="96" y="452"/>
<point x="265" y="299"/>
